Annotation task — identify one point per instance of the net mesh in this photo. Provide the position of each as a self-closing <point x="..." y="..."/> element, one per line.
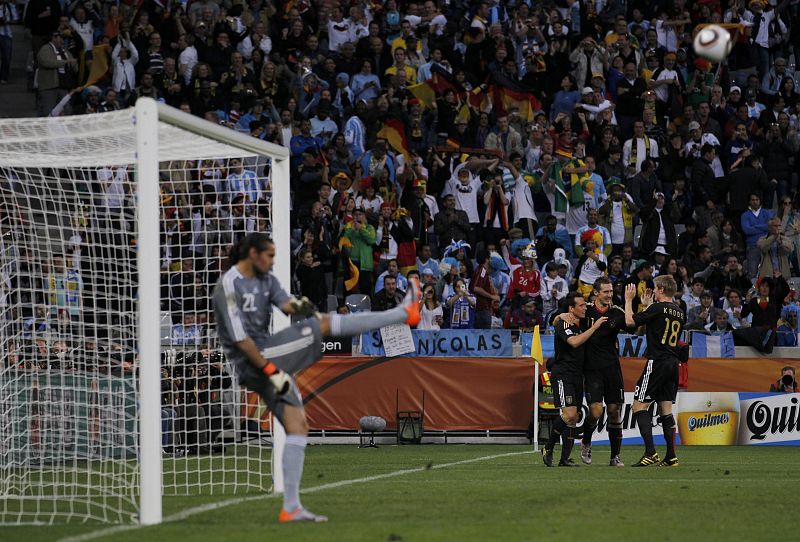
<point x="68" y="289"/>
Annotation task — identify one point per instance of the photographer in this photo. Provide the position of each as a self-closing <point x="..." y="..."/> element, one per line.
<point x="787" y="383"/>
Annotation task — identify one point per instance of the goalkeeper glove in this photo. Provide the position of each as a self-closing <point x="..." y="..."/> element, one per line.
<point x="303" y="306"/>
<point x="279" y="379"/>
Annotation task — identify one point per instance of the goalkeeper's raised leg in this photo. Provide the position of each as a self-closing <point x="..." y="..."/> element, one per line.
<point x="266" y="364"/>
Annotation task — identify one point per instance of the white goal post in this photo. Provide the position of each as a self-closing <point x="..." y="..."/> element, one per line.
<point x="59" y="461"/>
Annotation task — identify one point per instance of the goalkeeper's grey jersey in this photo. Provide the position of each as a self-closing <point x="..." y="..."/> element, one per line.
<point x="243" y="307"/>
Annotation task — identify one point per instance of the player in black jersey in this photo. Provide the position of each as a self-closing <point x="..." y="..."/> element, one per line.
<point x="659" y="381"/>
<point x="567" y="377"/>
<point x="602" y="373"/>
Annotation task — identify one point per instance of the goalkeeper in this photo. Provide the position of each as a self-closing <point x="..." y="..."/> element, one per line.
<point x="243" y="300"/>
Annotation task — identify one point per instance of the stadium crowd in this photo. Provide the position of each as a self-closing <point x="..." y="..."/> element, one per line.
<point x="507" y="152"/>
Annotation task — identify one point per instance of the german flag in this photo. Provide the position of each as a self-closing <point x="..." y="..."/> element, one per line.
<point x="442" y="80"/>
<point x="424" y="93"/>
<point x="504" y="99"/>
<point x="350" y="272"/>
<point x="394" y="132"/>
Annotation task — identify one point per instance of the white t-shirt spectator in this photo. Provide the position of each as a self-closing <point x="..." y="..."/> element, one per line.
<point x="338" y="33"/>
<point x="188" y="58"/>
<point x="113" y="182"/>
<point x="428" y="317"/>
<point x="466" y="195"/>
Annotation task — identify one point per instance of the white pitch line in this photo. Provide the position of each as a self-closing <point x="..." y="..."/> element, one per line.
<point x="189" y="512"/>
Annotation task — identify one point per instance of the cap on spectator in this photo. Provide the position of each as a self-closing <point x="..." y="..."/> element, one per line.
<point x="91" y="89"/>
<point x="734" y="88"/>
<point x="463" y="172"/>
<point x="587" y="90"/>
<point x="660" y="249"/>
<point x="598" y="75"/>
<point x="342" y="176"/>
<point x="428" y="271"/>
<point x="343" y="77"/>
<point x="640" y="264"/>
<point x="694" y="125"/>
<point x="419" y="183"/>
<point x="615" y="181"/>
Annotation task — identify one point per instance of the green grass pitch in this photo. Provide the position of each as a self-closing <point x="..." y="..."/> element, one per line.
<point x="496" y="492"/>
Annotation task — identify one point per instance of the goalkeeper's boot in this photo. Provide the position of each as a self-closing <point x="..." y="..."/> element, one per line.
<point x="616" y="462"/>
<point x="547" y="456"/>
<point x="586" y="453"/>
<point x="647" y="460"/>
<point x="669" y="462"/>
<point x="411" y="302"/>
<point x="300" y="514"/>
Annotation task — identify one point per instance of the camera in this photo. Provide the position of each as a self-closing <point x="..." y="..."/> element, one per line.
<point x="787" y="380"/>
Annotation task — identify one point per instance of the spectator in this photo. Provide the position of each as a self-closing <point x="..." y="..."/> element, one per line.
<point x="57" y="72"/>
<point x="638" y="149"/>
<point x="591" y="265"/>
<point x="551" y="237"/>
<point x="703" y="314"/>
<point x="482" y="288"/>
<point x="733" y="302"/>
<point x="775" y="250"/>
<point x="524" y="318"/>
<point x="451" y="224"/>
<point x="720" y="324"/>
<point x="362" y="236"/>
<point x="462" y="306"/>
<point x="644" y="186"/>
<point x="432" y="313"/>
<point x="658" y="231"/>
<point x="310" y="274"/>
<point x="388" y="297"/>
<point x="755" y="225"/>
<point x="617" y="215"/>
<point x="591" y="218"/>
<point x="392" y="270"/>
<point x="553" y="288"/>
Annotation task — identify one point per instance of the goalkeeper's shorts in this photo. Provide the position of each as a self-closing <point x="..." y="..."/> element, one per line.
<point x="291" y="350"/>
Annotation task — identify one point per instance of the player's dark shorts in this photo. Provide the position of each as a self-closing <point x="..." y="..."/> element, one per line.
<point x="567" y="391"/>
<point x="659" y="381"/>
<point x="291" y="350"/>
<point x="605" y="385"/>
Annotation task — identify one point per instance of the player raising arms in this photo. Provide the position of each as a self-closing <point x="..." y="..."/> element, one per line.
<point x="265" y="364"/>
<point x="602" y="372"/>
<point x="568" y="377"/>
<point x="659" y="381"/>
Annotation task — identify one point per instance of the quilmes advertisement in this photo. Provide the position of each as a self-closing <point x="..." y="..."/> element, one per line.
<point x="721" y="419"/>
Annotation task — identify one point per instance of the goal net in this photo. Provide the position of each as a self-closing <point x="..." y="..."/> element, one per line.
<point x="114" y="228"/>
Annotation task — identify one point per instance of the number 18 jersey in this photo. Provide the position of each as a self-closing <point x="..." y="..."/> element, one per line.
<point x="664" y="323"/>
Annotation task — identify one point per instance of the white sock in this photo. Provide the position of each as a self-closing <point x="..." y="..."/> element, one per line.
<point x="294" y="454"/>
<point x="351" y="325"/>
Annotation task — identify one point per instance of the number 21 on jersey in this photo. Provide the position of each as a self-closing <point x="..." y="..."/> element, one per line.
<point x="249" y="304"/>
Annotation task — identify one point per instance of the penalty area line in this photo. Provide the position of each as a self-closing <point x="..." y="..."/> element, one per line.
<point x="189" y="512"/>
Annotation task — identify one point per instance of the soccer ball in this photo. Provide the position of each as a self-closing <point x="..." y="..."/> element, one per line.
<point x="713" y="43"/>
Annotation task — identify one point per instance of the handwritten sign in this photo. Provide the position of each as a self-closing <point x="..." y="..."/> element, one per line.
<point x="397" y="340"/>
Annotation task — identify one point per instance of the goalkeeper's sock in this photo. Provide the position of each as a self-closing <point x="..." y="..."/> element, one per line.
<point x="555" y="432"/>
<point x="645" y="422"/>
<point x="589" y="427"/>
<point x="294" y="454"/>
<point x="615" y="437"/>
<point x="351" y="325"/>
<point x="567" y="442"/>
<point x="668" y="423"/>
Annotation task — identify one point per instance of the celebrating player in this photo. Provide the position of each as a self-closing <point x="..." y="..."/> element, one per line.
<point x="659" y="380"/>
<point x="243" y="300"/>
<point x="602" y="372"/>
<point x="568" y="377"/>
